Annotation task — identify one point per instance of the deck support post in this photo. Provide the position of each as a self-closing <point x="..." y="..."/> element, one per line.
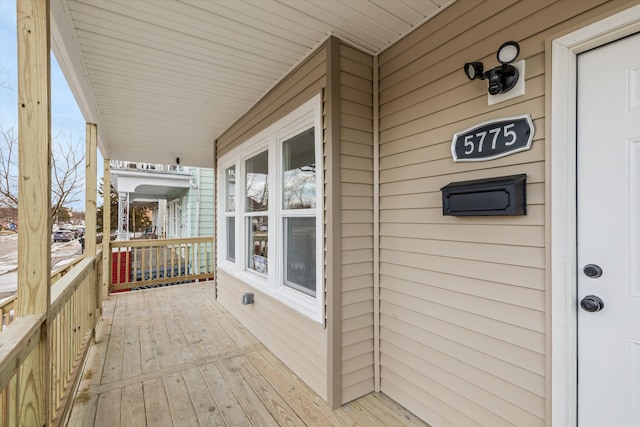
<point x="106" y="233"/>
<point x="91" y="179"/>
<point x="34" y="195"/>
<point x="90" y="220"/>
<point x="123" y="216"/>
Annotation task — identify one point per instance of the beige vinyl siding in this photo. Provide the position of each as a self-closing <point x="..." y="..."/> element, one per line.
<point x="464" y="303"/>
<point x="356" y="174"/>
<point x="298" y="341"/>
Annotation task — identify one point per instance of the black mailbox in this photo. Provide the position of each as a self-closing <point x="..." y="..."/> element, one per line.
<point x="504" y="195"/>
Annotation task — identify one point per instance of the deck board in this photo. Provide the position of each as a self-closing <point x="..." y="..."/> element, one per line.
<point x="172" y="319"/>
<point x="112" y="370"/>
<point x="165" y="353"/>
<point x="156" y="404"/>
<point x="173" y="356"/>
<point x="148" y="350"/>
<point x="203" y="402"/>
<point x="131" y="360"/>
<point x="108" y="410"/>
<point x="132" y="406"/>
<point x="229" y="406"/>
<point x="182" y="411"/>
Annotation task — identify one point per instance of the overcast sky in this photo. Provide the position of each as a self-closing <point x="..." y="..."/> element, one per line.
<point x="66" y="117"/>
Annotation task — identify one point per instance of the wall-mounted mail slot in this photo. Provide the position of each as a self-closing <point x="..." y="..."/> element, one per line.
<point x="504" y="195"/>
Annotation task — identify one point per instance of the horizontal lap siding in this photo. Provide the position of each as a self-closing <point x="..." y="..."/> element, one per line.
<point x="295" y="339"/>
<point x="206" y="203"/>
<point x="464" y="300"/>
<point x="356" y="171"/>
<point x="298" y="341"/>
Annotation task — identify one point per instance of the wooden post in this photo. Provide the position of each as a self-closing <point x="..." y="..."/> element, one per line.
<point x="91" y="190"/>
<point x="91" y="179"/>
<point x="34" y="195"/>
<point x="106" y="233"/>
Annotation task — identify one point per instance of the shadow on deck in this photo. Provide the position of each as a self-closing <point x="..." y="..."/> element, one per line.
<point x="174" y="357"/>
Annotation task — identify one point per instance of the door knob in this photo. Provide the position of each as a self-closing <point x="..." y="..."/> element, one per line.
<point x="591" y="303"/>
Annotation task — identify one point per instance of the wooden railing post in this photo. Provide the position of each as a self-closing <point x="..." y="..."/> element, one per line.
<point x="91" y="180"/>
<point x="34" y="195"/>
<point x="106" y="233"/>
<point x="90" y="220"/>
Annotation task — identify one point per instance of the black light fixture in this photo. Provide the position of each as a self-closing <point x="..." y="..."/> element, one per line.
<point x="501" y="78"/>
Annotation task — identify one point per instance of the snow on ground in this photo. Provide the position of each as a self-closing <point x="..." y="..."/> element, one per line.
<point x="6" y="267"/>
<point x="9" y="236"/>
<point x="61" y="255"/>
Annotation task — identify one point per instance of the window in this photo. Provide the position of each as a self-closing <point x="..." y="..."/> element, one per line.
<point x="230" y="210"/>
<point x="300" y="253"/>
<point x="298" y="211"/>
<point x="272" y="230"/>
<point x="256" y="195"/>
<point x="299" y="172"/>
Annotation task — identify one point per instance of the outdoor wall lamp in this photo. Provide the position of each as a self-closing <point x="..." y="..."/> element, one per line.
<point x="501" y="78"/>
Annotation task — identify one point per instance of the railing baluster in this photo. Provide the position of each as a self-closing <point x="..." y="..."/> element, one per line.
<point x="118" y="265"/>
<point x="157" y="263"/>
<point x="160" y="262"/>
<point x="71" y="323"/>
<point x="172" y="252"/>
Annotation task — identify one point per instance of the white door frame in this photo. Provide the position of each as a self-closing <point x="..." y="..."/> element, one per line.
<point x="562" y="212"/>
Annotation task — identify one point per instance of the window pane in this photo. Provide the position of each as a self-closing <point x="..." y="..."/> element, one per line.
<point x="257" y="190"/>
<point x="257" y="230"/>
<point x="231" y="238"/>
<point x="230" y="182"/>
<point x="300" y="254"/>
<point x="299" y="164"/>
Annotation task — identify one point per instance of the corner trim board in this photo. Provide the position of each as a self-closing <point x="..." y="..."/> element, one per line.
<point x="333" y="224"/>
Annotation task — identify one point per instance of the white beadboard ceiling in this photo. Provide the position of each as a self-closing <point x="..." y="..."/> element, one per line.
<point x="164" y="78"/>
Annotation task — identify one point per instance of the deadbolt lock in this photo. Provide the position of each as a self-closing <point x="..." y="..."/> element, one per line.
<point x="592" y="270"/>
<point x="592" y="303"/>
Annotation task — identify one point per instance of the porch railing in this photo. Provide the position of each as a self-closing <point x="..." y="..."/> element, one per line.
<point x="60" y="272"/>
<point x="147" y="263"/>
<point x="7" y="304"/>
<point x="71" y="325"/>
<point x="6" y="311"/>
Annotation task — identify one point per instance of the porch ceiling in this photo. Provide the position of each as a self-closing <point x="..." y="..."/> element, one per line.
<point x="164" y="78"/>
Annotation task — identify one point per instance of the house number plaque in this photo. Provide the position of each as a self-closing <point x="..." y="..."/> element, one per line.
<point x="492" y="140"/>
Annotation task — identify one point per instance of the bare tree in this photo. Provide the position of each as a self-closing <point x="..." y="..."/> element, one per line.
<point x="8" y="169"/>
<point x="299" y="187"/>
<point x="66" y="171"/>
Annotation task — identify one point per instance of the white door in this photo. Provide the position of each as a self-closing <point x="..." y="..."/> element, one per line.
<point x="609" y="234"/>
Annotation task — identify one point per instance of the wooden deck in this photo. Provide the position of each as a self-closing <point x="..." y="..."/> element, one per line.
<point x="174" y="357"/>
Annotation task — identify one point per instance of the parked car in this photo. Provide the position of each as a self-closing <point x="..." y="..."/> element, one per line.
<point x="63" y="236"/>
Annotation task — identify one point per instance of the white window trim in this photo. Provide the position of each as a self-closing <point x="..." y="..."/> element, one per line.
<point x="223" y="248"/>
<point x="562" y="159"/>
<point x="307" y="115"/>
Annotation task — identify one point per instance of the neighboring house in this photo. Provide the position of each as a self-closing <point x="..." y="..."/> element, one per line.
<point x="189" y="211"/>
<point x="181" y="198"/>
